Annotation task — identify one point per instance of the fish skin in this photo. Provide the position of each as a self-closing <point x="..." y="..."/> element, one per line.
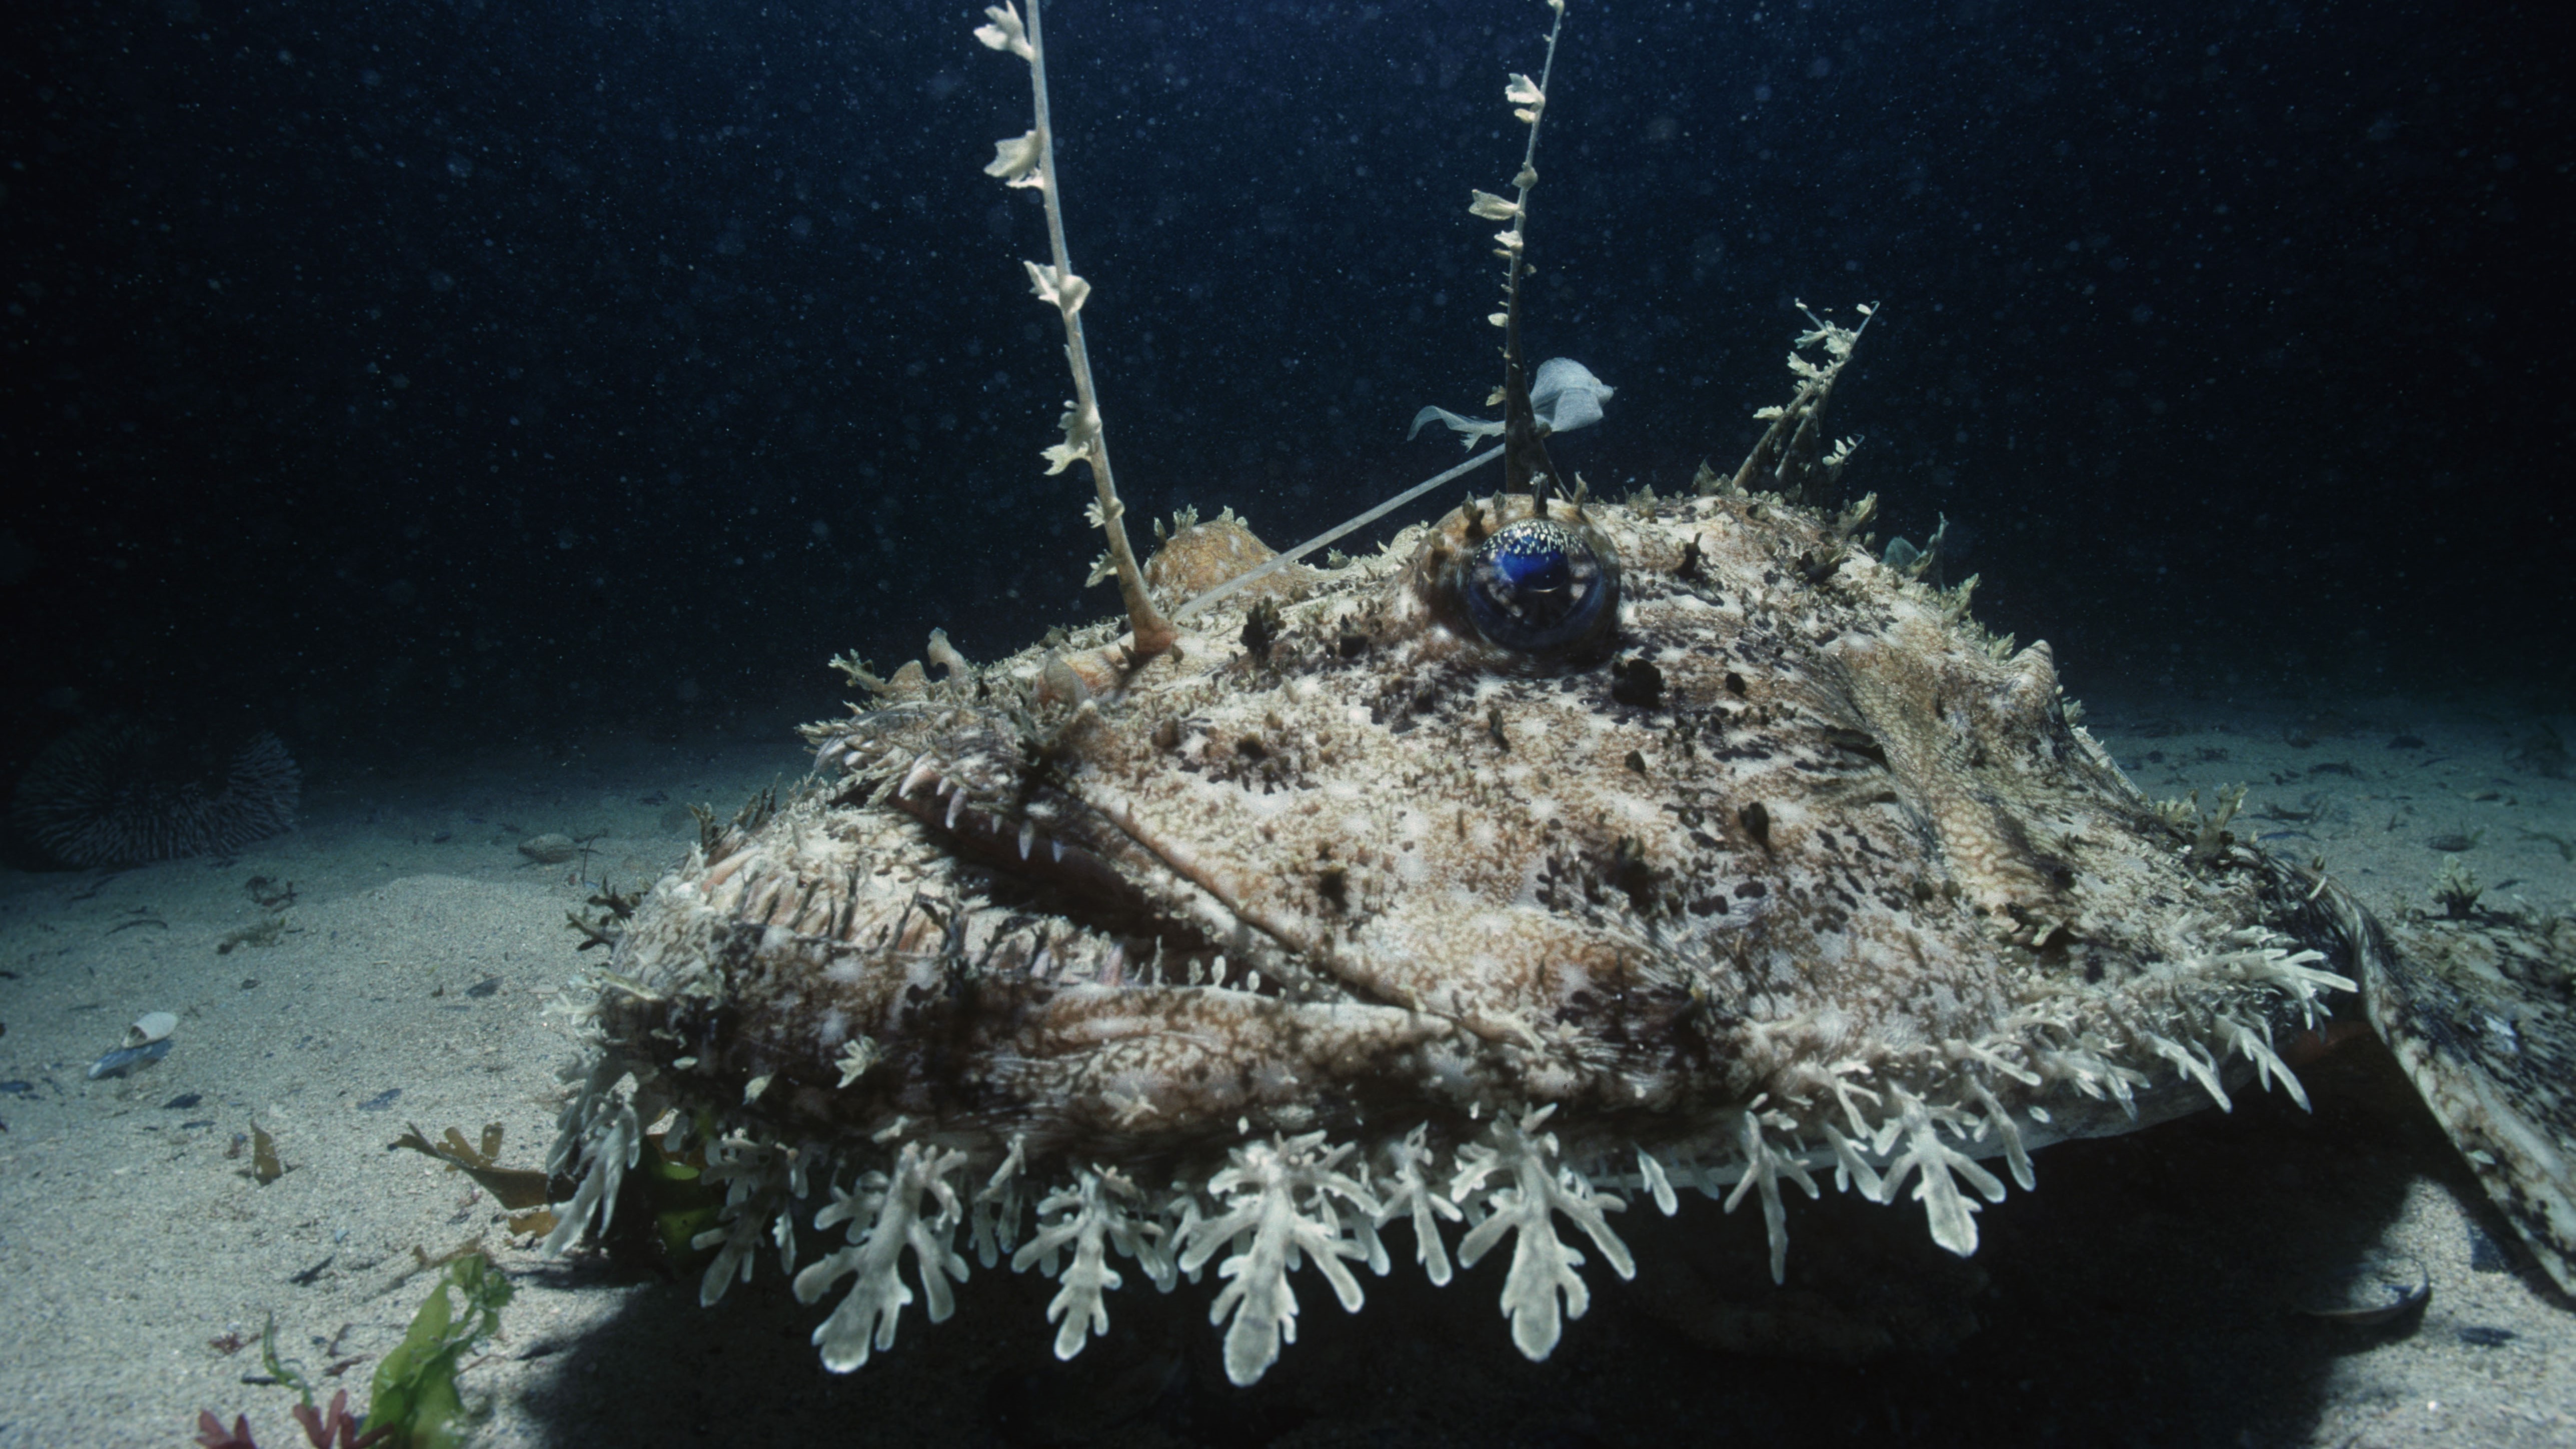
<point x="2480" y="1014"/>
<point x="1843" y="888"/>
<point x="1782" y="870"/>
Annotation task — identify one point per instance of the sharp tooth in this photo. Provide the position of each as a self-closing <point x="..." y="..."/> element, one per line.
<point x="922" y="774"/>
<point x="1252" y="983"/>
<point x="1040" y="964"/>
<point x="1028" y="837"/>
<point x="1198" y="972"/>
<point x="1058" y="847"/>
<point x="1111" y="964"/>
<point x="956" y="806"/>
<point x="1218" y="974"/>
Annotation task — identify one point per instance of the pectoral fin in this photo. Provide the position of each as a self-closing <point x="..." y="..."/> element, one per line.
<point x="2482" y="1015"/>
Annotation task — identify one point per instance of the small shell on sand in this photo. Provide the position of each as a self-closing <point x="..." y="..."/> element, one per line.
<point x="125" y="1059"/>
<point x="2374" y="1290"/>
<point x="549" y="849"/>
<point x="150" y="1027"/>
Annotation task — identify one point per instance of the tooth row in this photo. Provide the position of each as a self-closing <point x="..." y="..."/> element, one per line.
<point x="1029" y="834"/>
<point x="846" y="750"/>
<point x="832" y="911"/>
<point x="821" y="909"/>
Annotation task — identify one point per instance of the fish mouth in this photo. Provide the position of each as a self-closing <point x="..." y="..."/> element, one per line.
<point x="1081" y="976"/>
<point x="1116" y="904"/>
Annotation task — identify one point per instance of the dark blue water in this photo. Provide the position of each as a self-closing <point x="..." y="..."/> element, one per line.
<point x="391" y="374"/>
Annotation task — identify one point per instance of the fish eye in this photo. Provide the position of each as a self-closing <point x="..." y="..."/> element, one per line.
<point x="1540" y="587"/>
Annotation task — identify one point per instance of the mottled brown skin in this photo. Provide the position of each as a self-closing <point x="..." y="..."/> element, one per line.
<point x="1340" y="913"/>
<point x="1791" y="812"/>
<point x="2481" y="1012"/>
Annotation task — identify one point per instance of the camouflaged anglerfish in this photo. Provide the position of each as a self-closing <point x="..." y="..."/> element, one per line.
<point x="1338" y="913"/>
<point x="1561" y="849"/>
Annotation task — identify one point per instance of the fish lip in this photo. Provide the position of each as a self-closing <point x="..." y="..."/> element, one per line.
<point x="1075" y="883"/>
<point x="1007" y="841"/>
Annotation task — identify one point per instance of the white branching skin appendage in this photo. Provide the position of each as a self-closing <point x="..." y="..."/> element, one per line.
<point x="1920" y="1128"/>
<point x="1536" y="1186"/>
<point x="1786" y="459"/>
<point x="915" y="1207"/>
<point x="1030" y="161"/>
<point x="762" y="1185"/>
<point x="1099" y="1212"/>
<point x="1529" y="102"/>
<point x="1278" y="1204"/>
<point x="600" y="1135"/>
<point x="1764" y="1167"/>
<point x="1525" y="463"/>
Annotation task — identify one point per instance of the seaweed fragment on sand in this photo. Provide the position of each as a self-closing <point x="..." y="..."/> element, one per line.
<point x="414" y="1401"/>
<point x="264" y="1165"/>
<point x="515" y="1188"/>
<point x="414" y="1396"/>
<point x="259" y="933"/>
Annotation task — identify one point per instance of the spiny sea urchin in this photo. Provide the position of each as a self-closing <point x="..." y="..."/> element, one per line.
<point x="118" y="793"/>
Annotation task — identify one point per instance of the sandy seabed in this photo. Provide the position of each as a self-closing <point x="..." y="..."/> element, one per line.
<point x="424" y="974"/>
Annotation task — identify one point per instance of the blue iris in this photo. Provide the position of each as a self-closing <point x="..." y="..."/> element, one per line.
<point x="1538" y="586"/>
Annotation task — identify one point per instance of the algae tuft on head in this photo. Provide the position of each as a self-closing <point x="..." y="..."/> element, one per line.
<point x="1029" y="160"/>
